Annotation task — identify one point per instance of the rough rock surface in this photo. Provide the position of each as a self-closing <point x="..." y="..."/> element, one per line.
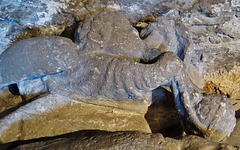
<point x="214" y="27"/>
<point x="16" y="17"/>
<point x="118" y="140"/>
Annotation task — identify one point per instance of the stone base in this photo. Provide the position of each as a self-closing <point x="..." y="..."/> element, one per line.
<point x="40" y="119"/>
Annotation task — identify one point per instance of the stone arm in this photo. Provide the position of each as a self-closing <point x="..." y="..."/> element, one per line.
<point x="111" y="77"/>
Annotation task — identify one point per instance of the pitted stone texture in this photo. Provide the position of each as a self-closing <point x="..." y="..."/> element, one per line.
<point x="105" y="80"/>
<point x="98" y="74"/>
<point x="126" y="90"/>
<point x="91" y="81"/>
<point x="37" y="57"/>
<point x="134" y="10"/>
<point x="109" y="32"/>
<point x="214" y="27"/>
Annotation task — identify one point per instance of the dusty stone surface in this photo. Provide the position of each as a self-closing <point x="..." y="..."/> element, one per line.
<point x="19" y="16"/>
<point x="49" y="55"/>
<point x="120" y="140"/>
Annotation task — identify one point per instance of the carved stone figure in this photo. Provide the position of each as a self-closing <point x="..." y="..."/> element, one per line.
<point x="110" y="63"/>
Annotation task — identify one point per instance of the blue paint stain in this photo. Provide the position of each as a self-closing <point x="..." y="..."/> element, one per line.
<point x="58" y="11"/>
<point x="10" y="20"/>
<point x="29" y="77"/>
<point x="17" y="21"/>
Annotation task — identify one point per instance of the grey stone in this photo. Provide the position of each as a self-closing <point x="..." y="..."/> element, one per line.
<point x="173" y="35"/>
<point x="37" y="57"/>
<point x="109" y="32"/>
<point x="189" y="105"/>
<point x="31" y="88"/>
<point x="215" y="53"/>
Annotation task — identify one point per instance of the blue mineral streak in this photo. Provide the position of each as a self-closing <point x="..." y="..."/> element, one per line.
<point x="10" y="20"/>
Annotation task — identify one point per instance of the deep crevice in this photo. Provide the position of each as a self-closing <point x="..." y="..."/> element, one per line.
<point x="69" y="32"/>
<point x="151" y="61"/>
<point x="13" y="88"/>
<point x="143" y="23"/>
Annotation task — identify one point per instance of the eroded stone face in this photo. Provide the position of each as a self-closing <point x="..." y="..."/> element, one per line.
<point x="109" y="32"/>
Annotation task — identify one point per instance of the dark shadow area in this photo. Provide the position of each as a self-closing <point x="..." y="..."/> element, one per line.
<point x="69" y="32"/>
<point x="173" y="131"/>
<point x="13" y="88"/>
<point x="162" y="115"/>
<point x="237" y="114"/>
<point x="154" y="60"/>
<point x="143" y="23"/>
<point x="151" y="56"/>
